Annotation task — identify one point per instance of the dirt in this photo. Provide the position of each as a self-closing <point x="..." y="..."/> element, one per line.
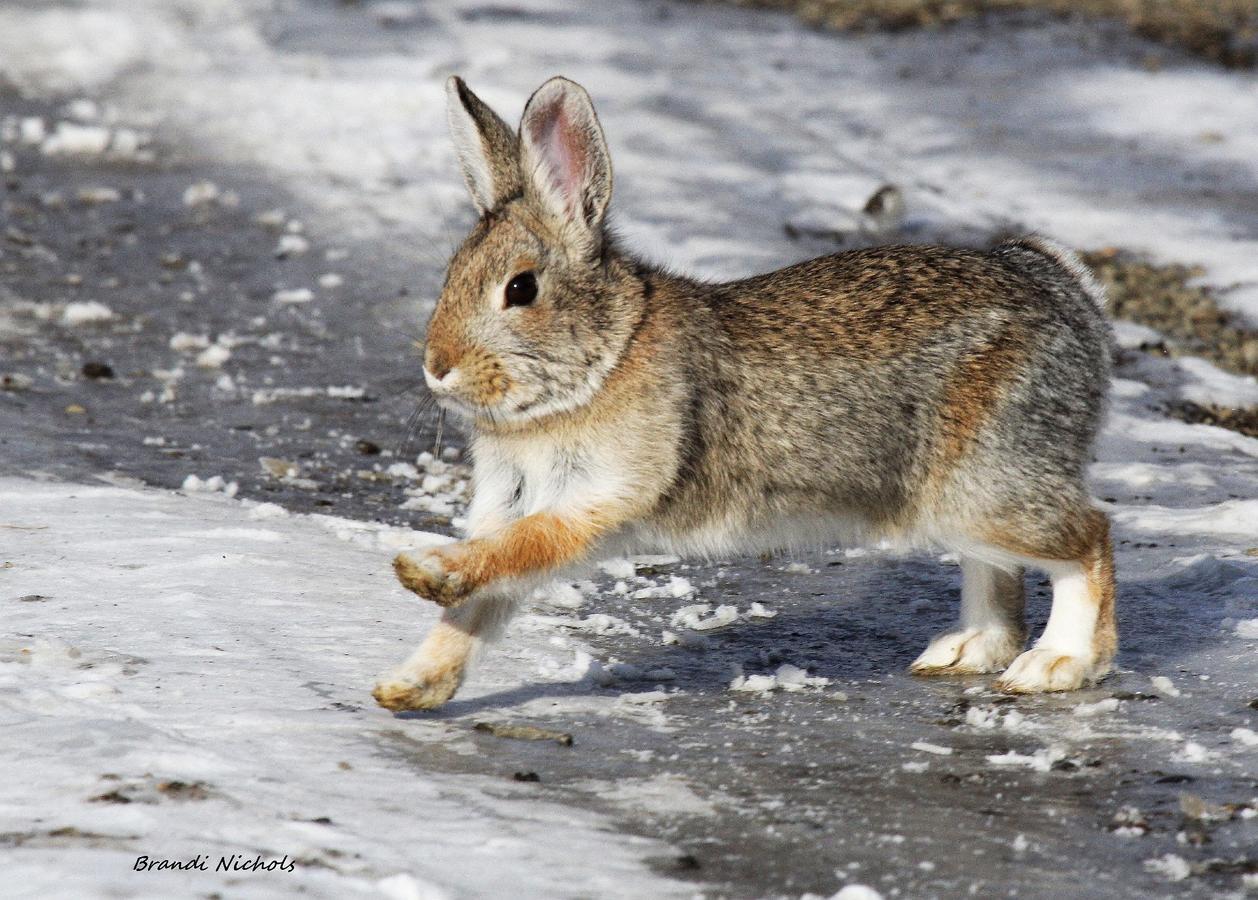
<point x="1224" y="31"/>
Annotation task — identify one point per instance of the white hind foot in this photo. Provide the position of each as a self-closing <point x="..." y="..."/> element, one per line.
<point x="1045" y="669"/>
<point x="969" y="651"/>
<point x="991" y="631"/>
<point x="1079" y="640"/>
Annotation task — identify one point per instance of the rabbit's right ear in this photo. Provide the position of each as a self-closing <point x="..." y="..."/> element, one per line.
<point x="487" y="147"/>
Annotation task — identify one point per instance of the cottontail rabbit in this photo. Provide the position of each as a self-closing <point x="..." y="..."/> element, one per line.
<point x="925" y="394"/>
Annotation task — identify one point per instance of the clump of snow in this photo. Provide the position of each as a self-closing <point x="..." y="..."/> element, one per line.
<point x="193" y="484"/>
<point x="787" y="678"/>
<point x="213" y="357"/>
<point x="618" y="568"/>
<point x="71" y="139"/>
<point x="676" y="587"/>
<point x="687" y="639"/>
<point x="31" y="130"/>
<point x="857" y="892"/>
<point x="1246" y="737"/>
<point x="1108" y="705"/>
<point x="330" y="280"/>
<point x="201" y="193"/>
<point x="1192" y="752"/>
<point x="265" y="396"/>
<point x="936" y="749"/>
<point x="702" y="617"/>
<point x="98" y="194"/>
<point x="267" y="511"/>
<point x="293" y="295"/>
<point x="1040" y="761"/>
<point x="561" y="594"/>
<point x="1169" y="866"/>
<point x="291" y="245"/>
<point x="1129" y="822"/>
<point x="185" y="342"/>
<point x="403" y="886"/>
<point x="85" y="312"/>
<point x="1164" y="686"/>
<point x="1247" y="629"/>
<point x="759" y="611"/>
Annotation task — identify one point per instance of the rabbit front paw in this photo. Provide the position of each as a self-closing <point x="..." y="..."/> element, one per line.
<point x="969" y="651"/>
<point x="421" y="690"/>
<point x="439" y="575"/>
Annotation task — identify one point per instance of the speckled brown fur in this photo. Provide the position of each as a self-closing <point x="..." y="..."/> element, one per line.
<point x="932" y="394"/>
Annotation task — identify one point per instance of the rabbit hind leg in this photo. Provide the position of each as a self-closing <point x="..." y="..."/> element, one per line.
<point x="991" y="632"/>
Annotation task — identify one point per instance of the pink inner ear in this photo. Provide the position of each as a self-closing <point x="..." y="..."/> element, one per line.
<point x="561" y="149"/>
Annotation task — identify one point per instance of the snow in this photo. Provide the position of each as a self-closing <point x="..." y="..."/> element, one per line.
<point x="1170" y="866"/>
<point x="1245" y="736"/>
<point x="182" y="649"/>
<point x="857" y="892"/>
<point x="1040" y="761"/>
<point x="86" y="312"/>
<point x="293" y="295"/>
<point x="787" y="678"/>
<point x="213" y="357"/>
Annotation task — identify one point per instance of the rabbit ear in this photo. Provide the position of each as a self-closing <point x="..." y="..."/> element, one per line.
<point x="486" y="146"/>
<point x="564" y="160"/>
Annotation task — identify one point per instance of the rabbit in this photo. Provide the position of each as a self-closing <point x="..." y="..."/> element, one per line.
<point x="927" y="395"/>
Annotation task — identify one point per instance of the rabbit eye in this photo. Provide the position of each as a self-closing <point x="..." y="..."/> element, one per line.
<point x="522" y="289"/>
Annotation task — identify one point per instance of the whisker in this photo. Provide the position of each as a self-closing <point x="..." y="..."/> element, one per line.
<point x="413" y="424"/>
<point x="441" y="424"/>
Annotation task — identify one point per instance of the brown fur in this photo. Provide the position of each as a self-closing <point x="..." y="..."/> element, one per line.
<point x="932" y="393"/>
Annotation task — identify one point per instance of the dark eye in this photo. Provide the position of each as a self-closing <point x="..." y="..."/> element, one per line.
<point x="522" y="289"/>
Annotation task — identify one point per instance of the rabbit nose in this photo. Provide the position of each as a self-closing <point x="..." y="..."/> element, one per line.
<point x="438" y="364"/>
<point x="439" y="372"/>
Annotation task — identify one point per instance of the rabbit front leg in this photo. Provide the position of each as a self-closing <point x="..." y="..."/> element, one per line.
<point x="531" y="545"/>
<point x="462" y="578"/>
<point x="434" y="672"/>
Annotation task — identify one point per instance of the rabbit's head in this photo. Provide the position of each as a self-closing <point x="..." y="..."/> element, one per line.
<point x="536" y="309"/>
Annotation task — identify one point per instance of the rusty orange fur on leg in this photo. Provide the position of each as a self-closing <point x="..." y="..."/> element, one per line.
<point x="448" y="575"/>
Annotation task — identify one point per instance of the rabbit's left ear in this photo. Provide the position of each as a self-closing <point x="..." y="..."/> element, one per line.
<point x="486" y="147"/>
<point x="564" y="159"/>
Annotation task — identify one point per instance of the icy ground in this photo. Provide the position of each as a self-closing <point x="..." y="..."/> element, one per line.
<point x="244" y="207"/>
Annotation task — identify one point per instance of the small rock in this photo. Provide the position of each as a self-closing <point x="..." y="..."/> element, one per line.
<point x="97" y="370"/>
